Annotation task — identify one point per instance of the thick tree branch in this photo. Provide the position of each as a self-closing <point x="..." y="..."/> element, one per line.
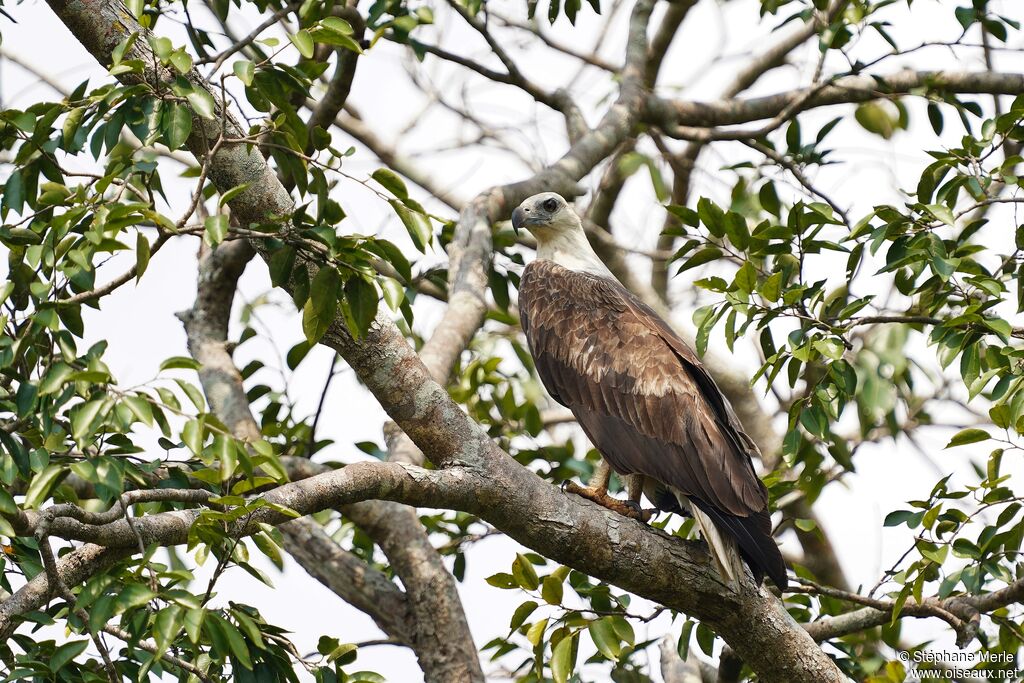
<point x="694" y="120"/>
<point x="338" y="88"/>
<point x="367" y="589"/>
<point x="675" y="14"/>
<point x="431" y="620"/>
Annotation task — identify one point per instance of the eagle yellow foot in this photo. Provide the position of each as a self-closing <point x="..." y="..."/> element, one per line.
<point x="601" y="497"/>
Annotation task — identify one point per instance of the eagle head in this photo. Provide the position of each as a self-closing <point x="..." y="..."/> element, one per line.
<point x="546" y="213"/>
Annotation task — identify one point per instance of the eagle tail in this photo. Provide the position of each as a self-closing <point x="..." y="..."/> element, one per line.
<point x="753" y="536"/>
<point x="724" y="551"/>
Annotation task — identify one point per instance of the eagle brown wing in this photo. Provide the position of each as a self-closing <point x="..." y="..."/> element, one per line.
<point x="644" y="399"/>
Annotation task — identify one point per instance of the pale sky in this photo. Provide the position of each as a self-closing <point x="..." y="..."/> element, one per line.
<point x="139" y="323"/>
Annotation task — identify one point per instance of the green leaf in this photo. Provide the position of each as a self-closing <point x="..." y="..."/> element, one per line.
<point x="322" y="305"/>
<point x="245" y="70"/>
<point x="337" y="32"/>
<point x="193" y="435"/>
<point x="140" y="408"/>
<point x="705" y="255"/>
<point x="746" y="278"/>
<point x="180" y="363"/>
<point x="162" y="48"/>
<point x="524" y="573"/>
<point x="362" y="301"/>
<point x="552" y="590"/>
<point x="874" y="118"/>
<point x="805" y="524"/>
<point x="502" y="580"/>
<point x="711" y="216"/>
<point x="234" y="639"/>
<point x="343" y="654"/>
<point x="166" y="627"/>
<point x="605" y="639"/>
<point x="772" y="287"/>
<point x="563" y="659"/>
<point x="175" y="125"/>
<point x="415" y="223"/>
<point x="202" y="102"/>
<point x="303" y="42"/>
<point x="65" y="653"/>
<point x="232" y="193"/>
<point x="41" y="485"/>
<point x="9" y="507"/>
<point x="518" y="617"/>
<point x="134" y="595"/>
<point x="936" y="555"/>
<point x="194" y="623"/>
<point x="967" y="436"/>
<point x="224" y="451"/>
<point x="705" y="639"/>
<point x="55" y="378"/>
<point x="624" y="630"/>
<point x="13" y="195"/>
<point x="942" y="212"/>
<point x="736" y="230"/>
<point x="119" y="51"/>
<point x="935" y="117"/>
<point x="535" y="634"/>
<point x="182" y="61"/>
<point x="391" y="182"/>
<point x="908" y="517"/>
<point x="281" y="264"/>
<point x="142" y="255"/>
<point x="216" y="228"/>
<point x="86" y="418"/>
<point x="71" y="125"/>
<point x="337" y="24"/>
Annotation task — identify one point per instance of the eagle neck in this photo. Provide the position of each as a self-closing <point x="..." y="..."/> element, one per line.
<point x="571" y="249"/>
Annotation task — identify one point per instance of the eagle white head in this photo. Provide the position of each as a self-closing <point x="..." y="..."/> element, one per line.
<point x="559" y="232"/>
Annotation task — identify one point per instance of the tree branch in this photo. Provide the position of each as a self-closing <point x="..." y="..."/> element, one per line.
<point x="350" y="578"/>
<point x="696" y="120"/>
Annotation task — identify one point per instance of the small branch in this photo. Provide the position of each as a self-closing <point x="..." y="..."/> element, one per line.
<point x="535" y="28"/>
<point x="799" y="175"/>
<point x="390" y="157"/>
<point x="252" y="35"/>
<point x="102" y="291"/>
<point x="961" y="612"/>
<point x="152" y="649"/>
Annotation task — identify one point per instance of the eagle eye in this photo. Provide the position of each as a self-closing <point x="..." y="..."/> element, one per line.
<point x="550" y="205"/>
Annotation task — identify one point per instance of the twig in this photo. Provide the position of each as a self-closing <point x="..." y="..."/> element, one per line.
<point x="253" y="35"/>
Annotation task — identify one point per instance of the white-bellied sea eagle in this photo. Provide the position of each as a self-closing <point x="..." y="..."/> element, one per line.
<point x="641" y="395"/>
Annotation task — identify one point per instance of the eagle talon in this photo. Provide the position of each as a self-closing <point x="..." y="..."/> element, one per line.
<point x="638" y="513"/>
<point x="600" y="496"/>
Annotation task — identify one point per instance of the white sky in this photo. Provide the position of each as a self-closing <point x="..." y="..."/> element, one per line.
<point x="139" y="324"/>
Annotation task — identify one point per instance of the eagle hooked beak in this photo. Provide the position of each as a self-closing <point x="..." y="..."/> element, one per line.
<point x="519" y="216"/>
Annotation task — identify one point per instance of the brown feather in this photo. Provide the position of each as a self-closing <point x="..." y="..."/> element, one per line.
<point x="645" y="401"/>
